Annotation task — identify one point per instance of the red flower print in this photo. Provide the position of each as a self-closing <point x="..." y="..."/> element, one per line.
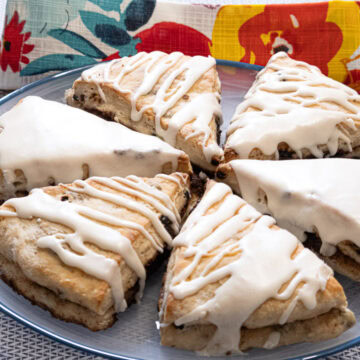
<point x="169" y="37"/>
<point x="300" y="29"/>
<point x="113" y="56"/>
<point x="14" y="45"/>
<point x="352" y="66"/>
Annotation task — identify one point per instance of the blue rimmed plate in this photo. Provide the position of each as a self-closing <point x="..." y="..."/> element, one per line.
<point x="134" y="335"/>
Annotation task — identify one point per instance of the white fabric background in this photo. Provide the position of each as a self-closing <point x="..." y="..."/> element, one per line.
<point x="2" y="16"/>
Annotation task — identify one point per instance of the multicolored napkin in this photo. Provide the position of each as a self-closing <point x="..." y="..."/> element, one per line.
<point x="41" y="37"/>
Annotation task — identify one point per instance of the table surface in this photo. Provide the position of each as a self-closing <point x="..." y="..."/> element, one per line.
<point x="20" y="342"/>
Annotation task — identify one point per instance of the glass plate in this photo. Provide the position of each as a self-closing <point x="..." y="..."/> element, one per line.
<point x="134" y="335"/>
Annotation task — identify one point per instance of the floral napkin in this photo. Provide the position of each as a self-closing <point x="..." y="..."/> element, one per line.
<point x="41" y="37"/>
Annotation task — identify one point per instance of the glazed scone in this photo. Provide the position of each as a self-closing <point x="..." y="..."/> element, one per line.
<point x="235" y="281"/>
<point x="175" y="97"/>
<point x="294" y="111"/>
<point x="82" y="250"/>
<point x="45" y="143"/>
<point x="314" y="196"/>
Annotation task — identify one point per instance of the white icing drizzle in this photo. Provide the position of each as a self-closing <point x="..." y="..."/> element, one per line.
<point x="200" y="109"/>
<point x="287" y="100"/>
<point x="48" y="139"/>
<point x="178" y="178"/>
<point x="273" y="340"/>
<point x="87" y="226"/>
<point x="7" y="213"/>
<point x="326" y="191"/>
<point x="172" y="178"/>
<point x="115" y="184"/>
<point x="236" y="227"/>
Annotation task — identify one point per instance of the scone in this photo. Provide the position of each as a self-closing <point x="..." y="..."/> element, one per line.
<point x="294" y="111"/>
<point x="235" y="281"/>
<point x="316" y="199"/>
<point x="175" y="97"/>
<point x="44" y="143"/>
<point x="82" y="250"/>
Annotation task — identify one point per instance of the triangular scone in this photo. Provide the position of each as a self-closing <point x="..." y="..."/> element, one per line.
<point x="44" y="143"/>
<point x="235" y="281"/>
<point x="175" y="97"/>
<point x="315" y="196"/>
<point x="294" y="111"/>
<point x="82" y="250"/>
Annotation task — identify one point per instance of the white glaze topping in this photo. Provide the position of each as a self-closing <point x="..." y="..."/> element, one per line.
<point x="199" y="110"/>
<point x="48" y="139"/>
<point x="273" y="340"/>
<point x="319" y="195"/>
<point x="288" y="102"/>
<point x="237" y="228"/>
<point x="88" y="225"/>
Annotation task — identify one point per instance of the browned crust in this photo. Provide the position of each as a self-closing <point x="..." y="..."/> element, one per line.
<point x="343" y="264"/>
<point x="230" y="154"/>
<point x="184" y="164"/>
<point x="60" y="308"/>
<point x="19" y="185"/>
<point x="286" y="153"/>
<point x="225" y="173"/>
<point x="322" y="327"/>
<point x="340" y="262"/>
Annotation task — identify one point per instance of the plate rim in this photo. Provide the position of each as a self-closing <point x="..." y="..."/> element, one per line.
<point x="80" y="346"/>
<point x="62" y="74"/>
